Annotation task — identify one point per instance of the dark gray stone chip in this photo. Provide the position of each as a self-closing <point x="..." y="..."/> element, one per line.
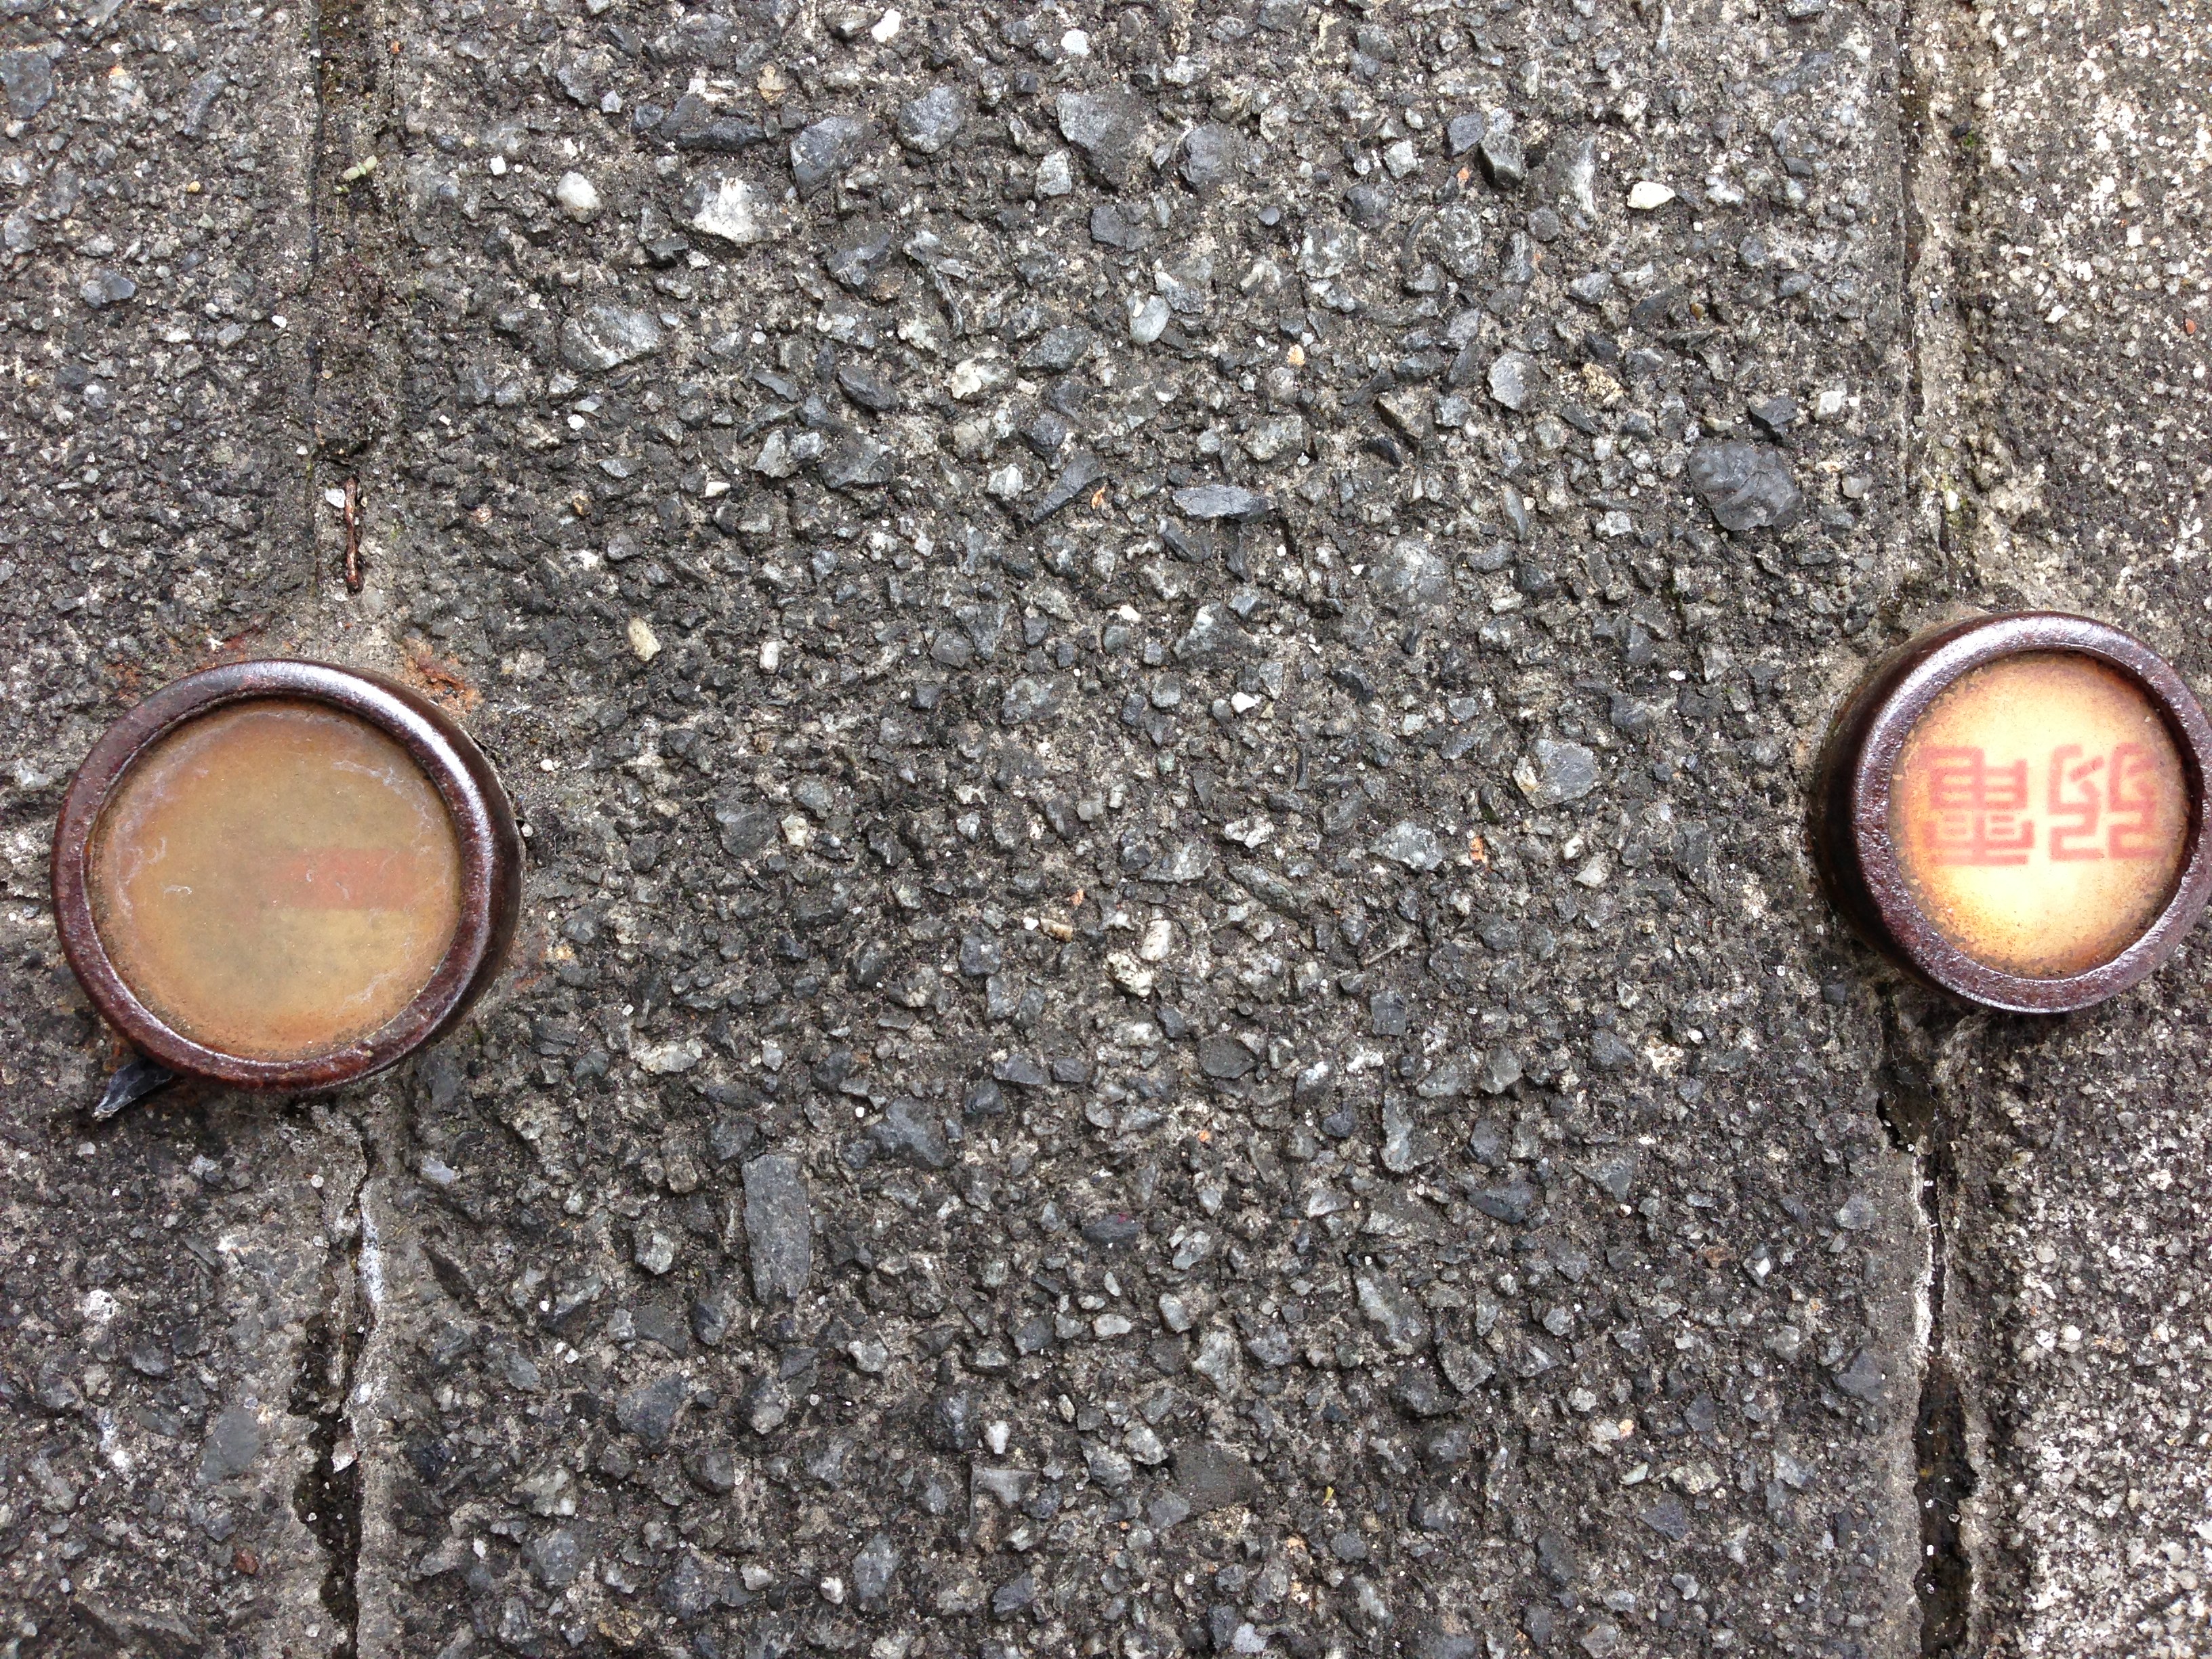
<point x="649" y="1410"/>
<point x="1108" y="130"/>
<point x="1513" y="1202"/>
<point x="779" y="1227"/>
<point x="930" y="123"/>
<point x="823" y="150"/>
<point x="1211" y="1477"/>
<point x="1221" y="501"/>
<point x="1747" y="486"/>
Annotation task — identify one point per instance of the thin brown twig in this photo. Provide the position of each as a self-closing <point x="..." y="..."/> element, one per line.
<point x="353" y="535"/>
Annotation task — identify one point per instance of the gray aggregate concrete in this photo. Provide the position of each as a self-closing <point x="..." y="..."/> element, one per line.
<point x="2067" y="468"/>
<point x="1161" y="669"/>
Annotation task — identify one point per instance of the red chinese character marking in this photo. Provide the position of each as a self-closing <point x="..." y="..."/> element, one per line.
<point x="343" y="878"/>
<point x="1976" y="808"/>
<point x="2134" y="798"/>
<point x="2076" y="802"/>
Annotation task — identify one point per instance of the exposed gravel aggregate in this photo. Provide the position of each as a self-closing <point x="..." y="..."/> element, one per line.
<point x="1160" y="668"/>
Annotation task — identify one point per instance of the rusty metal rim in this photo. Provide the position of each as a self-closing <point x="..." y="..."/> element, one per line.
<point x="483" y="825"/>
<point x="1858" y="858"/>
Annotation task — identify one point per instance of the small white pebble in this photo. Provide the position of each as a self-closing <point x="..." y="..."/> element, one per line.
<point x="1646" y="196"/>
<point x="578" y="196"/>
<point x="1159" y="941"/>
<point x="886" y="26"/>
<point x="1148" y="320"/>
<point x="1076" y="43"/>
<point x="642" y="639"/>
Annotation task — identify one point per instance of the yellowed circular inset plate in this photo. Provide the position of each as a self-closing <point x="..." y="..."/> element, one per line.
<point x="284" y="875"/>
<point x="2041" y="814"/>
<point x="276" y="879"/>
<point x="2013" y="807"/>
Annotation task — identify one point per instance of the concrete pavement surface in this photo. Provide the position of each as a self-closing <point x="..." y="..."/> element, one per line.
<point x="1160" y="665"/>
<point x="2067" y="155"/>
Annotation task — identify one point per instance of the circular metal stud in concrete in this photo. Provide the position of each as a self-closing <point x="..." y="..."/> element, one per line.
<point x="284" y="875"/>
<point x="2013" y="807"/>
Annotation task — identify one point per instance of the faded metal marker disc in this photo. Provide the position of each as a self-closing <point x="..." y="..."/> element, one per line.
<point x="276" y="879"/>
<point x="2014" y="809"/>
<point x="284" y="875"/>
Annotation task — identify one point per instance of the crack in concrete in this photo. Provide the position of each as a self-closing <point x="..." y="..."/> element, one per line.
<point x="1947" y="1478"/>
<point x="1925" y="1039"/>
<point x="327" y="1496"/>
<point x="389" y="1269"/>
<point x="1930" y="1046"/>
<point x="346" y="397"/>
<point x="311" y="349"/>
<point x="1933" y="85"/>
<point x="1920" y="1036"/>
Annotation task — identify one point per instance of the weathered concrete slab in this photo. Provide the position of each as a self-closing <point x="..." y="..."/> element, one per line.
<point x="1177" y="655"/>
<point x="2073" y="148"/>
<point x="179" y="1295"/>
